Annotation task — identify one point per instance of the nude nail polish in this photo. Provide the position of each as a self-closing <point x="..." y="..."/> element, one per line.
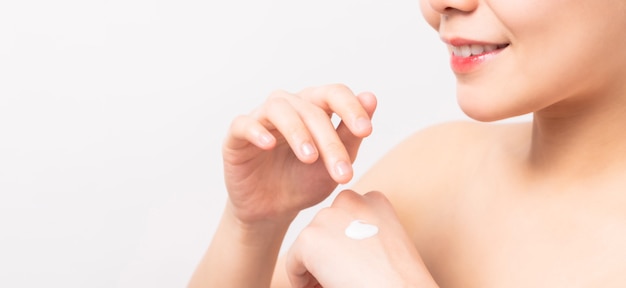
<point x="265" y="139"/>
<point x="308" y="149"/>
<point x="342" y="168"/>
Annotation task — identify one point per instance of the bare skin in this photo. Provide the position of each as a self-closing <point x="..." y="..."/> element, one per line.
<point x="493" y="223"/>
<point x="281" y="158"/>
<point x="486" y="205"/>
<point x="538" y="204"/>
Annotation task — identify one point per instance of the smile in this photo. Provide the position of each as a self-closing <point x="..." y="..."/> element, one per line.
<point x="469" y="56"/>
<point x="475" y="49"/>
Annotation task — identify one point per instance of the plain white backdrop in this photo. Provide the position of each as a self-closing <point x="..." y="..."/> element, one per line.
<point x="112" y="114"/>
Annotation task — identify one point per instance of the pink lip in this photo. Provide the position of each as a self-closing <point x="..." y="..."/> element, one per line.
<point x="460" y="42"/>
<point x="465" y="65"/>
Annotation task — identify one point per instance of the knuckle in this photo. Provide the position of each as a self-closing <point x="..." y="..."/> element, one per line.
<point x="326" y="92"/>
<point x="377" y="196"/>
<point x="278" y="93"/>
<point x="307" y="91"/>
<point x="274" y="107"/>
<point x="378" y="200"/>
<point x="338" y="89"/>
<point x="316" y="112"/>
<point x="274" y="101"/>
<point x="347" y="199"/>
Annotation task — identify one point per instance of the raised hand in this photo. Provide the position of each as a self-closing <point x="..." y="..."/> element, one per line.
<point x="286" y="155"/>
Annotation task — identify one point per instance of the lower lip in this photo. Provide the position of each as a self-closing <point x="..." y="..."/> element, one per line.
<point x="464" y="65"/>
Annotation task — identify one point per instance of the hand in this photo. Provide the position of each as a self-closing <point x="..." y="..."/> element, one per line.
<point x="323" y="256"/>
<point x="287" y="155"/>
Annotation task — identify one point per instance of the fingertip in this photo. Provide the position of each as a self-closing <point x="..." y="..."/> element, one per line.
<point x="343" y="172"/>
<point x="368" y="101"/>
<point x="363" y="126"/>
<point x="308" y="153"/>
<point x="265" y="140"/>
<point x="308" y="150"/>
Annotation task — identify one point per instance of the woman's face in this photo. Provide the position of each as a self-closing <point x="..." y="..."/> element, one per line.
<point x="513" y="57"/>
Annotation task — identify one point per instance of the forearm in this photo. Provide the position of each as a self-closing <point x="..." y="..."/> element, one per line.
<point x="239" y="255"/>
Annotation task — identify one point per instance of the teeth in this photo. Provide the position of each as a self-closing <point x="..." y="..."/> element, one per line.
<point x="470" y="50"/>
<point x="477" y="49"/>
<point x="456" y="51"/>
<point x="466" y="51"/>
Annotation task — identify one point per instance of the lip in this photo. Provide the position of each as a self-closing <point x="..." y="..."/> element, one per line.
<point x="466" y="65"/>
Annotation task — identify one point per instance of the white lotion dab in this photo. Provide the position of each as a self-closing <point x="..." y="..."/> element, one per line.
<point x="359" y="230"/>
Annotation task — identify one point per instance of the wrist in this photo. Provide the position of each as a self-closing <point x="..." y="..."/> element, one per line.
<point x="241" y="254"/>
<point x="257" y="231"/>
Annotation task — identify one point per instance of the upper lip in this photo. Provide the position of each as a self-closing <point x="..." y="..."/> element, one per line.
<point x="456" y="41"/>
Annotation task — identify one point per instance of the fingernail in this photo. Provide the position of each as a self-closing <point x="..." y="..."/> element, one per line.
<point x="363" y="124"/>
<point x="342" y="168"/>
<point x="308" y="149"/>
<point x="265" y="139"/>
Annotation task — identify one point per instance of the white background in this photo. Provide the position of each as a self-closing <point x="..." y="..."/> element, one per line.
<point x="112" y="115"/>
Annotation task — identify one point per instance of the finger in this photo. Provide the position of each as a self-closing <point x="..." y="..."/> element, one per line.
<point x="332" y="143"/>
<point x="280" y="113"/>
<point x="331" y="148"/>
<point x="245" y="130"/>
<point x="351" y="141"/>
<point x="339" y="99"/>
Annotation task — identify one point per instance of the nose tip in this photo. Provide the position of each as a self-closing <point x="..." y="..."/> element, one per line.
<point x="447" y="7"/>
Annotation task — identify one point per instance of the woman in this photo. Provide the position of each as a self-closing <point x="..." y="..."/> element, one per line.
<point x="536" y="204"/>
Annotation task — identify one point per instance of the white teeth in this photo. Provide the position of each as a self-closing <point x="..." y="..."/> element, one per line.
<point x="474" y="49"/>
<point x="466" y="51"/>
<point x="477" y="49"/>
<point x="456" y="50"/>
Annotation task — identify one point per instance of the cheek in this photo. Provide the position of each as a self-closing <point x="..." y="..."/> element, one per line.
<point x="432" y="17"/>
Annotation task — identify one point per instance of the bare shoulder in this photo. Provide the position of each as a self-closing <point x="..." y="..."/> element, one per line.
<point x="422" y="173"/>
<point x="436" y="153"/>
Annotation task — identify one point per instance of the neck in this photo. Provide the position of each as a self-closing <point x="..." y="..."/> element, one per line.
<point x="579" y="139"/>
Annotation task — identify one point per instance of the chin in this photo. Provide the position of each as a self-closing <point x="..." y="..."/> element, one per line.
<point x="482" y="115"/>
<point x="485" y="107"/>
